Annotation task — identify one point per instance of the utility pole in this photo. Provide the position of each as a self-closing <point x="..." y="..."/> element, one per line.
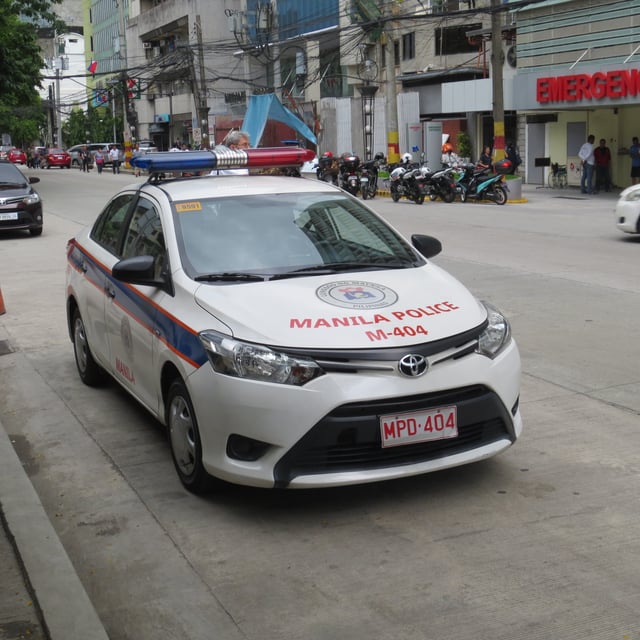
<point x="393" y="139"/>
<point x="497" y="65"/>
<point x="202" y="108"/>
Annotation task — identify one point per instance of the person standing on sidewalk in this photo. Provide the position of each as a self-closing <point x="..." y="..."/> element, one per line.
<point x="634" y="152"/>
<point x="602" y="155"/>
<point x="588" y="163"/>
<point x="114" y="156"/>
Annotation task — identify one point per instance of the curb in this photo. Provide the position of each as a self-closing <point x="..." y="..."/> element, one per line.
<point x="67" y="612"/>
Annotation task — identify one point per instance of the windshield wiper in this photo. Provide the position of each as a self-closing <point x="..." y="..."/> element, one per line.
<point x="12" y="184"/>
<point x="335" y="267"/>
<point x="232" y="276"/>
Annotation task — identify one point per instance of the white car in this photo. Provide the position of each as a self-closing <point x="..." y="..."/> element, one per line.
<point x="283" y="332"/>
<point x="628" y="210"/>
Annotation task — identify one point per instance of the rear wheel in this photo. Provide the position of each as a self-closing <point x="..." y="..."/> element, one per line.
<point x="562" y="181"/>
<point x="91" y="373"/>
<point x="419" y="199"/>
<point x="184" y="439"/>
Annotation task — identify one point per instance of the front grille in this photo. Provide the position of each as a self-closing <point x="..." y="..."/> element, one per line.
<point x="348" y="439"/>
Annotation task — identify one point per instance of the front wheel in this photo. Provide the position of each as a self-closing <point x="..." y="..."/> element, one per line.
<point x="184" y="439"/>
<point x="395" y="196"/>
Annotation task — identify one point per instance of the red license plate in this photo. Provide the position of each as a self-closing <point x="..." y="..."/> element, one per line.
<point x="419" y="426"/>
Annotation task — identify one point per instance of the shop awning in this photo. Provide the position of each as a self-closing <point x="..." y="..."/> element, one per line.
<point x="267" y="107"/>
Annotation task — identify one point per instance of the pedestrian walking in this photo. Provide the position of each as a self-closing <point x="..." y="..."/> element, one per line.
<point x="588" y="163"/>
<point x="114" y="157"/>
<point x="99" y="160"/>
<point x="85" y="158"/>
<point x="602" y="155"/>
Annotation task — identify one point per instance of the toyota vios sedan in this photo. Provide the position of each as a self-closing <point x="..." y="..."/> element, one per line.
<point x="284" y="333"/>
<point x="628" y="210"/>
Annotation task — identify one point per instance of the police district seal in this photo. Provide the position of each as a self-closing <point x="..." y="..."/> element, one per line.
<point x="353" y="294"/>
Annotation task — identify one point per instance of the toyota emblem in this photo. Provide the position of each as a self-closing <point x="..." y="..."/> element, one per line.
<point x="413" y="365"/>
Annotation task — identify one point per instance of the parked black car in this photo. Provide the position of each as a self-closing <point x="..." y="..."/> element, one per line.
<point x="20" y="204"/>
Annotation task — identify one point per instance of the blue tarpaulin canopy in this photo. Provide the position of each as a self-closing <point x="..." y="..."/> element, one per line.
<point x="267" y="107"/>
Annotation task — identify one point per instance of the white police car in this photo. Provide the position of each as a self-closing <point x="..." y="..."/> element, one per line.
<point x="627" y="210"/>
<point x="285" y="334"/>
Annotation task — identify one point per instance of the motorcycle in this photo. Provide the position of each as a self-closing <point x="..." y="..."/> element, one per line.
<point x="407" y="182"/>
<point x="327" y="169"/>
<point x="480" y="185"/>
<point x="349" y="174"/>
<point x="442" y="184"/>
<point x="369" y="179"/>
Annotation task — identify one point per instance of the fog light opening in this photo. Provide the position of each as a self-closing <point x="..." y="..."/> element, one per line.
<point x="243" y="448"/>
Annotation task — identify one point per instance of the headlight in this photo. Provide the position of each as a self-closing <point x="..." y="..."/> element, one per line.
<point x="32" y="198"/>
<point x="631" y="194"/>
<point x="497" y="334"/>
<point x="255" y="362"/>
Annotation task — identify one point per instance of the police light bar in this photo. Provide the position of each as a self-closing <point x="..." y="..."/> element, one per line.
<point x="186" y="161"/>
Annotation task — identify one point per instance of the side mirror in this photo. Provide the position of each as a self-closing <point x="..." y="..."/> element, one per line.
<point x="33" y="179"/>
<point x="428" y="246"/>
<point x="140" y="270"/>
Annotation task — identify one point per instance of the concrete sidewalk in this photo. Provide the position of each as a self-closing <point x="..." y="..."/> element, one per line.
<point x="41" y="596"/>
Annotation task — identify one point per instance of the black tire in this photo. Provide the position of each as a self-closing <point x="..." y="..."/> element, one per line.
<point x="499" y="195"/>
<point x="395" y="196"/>
<point x="463" y="196"/>
<point x="35" y="231"/>
<point x="449" y="196"/>
<point x="365" y="193"/>
<point x="184" y="439"/>
<point x="419" y="199"/>
<point x="90" y="372"/>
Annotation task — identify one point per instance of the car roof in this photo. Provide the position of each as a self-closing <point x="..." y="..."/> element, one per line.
<point x="242" y="185"/>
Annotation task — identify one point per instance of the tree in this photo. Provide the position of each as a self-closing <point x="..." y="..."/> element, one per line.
<point x="21" y="61"/>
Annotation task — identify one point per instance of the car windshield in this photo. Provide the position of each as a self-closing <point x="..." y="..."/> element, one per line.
<point x="10" y="176"/>
<point x="285" y="235"/>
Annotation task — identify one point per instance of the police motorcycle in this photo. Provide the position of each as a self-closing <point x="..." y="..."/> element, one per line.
<point x="369" y="176"/>
<point x="349" y="173"/>
<point x="479" y="184"/>
<point x="327" y="168"/>
<point x="408" y="180"/>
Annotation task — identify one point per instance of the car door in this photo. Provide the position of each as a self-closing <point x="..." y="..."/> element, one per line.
<point x="94" y="261"/>
<point x="131" y="310"/>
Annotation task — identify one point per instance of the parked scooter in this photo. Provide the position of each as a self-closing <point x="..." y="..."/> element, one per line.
<point x="327" y="168"/>
<point x="408" y="182"/>
<point x="442" y="184"/>
<point x="480" y="185"/>
<point x="349" y="173"/>
<point x="369" y="179"/>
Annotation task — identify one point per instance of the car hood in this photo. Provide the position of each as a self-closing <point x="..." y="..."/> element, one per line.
<point x="352" y="310"/>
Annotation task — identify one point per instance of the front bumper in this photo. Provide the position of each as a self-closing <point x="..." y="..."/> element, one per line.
<point x="627" y="216"/>
<point x="327" y="433"/>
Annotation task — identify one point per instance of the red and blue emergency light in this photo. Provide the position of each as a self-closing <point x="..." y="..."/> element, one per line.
<point x="222" y="159"/>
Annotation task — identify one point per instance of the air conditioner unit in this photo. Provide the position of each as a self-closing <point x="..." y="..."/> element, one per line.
<point x="146" y="45"/>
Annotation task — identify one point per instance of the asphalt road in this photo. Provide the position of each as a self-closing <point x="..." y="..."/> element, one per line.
<point x="542" y="542"/>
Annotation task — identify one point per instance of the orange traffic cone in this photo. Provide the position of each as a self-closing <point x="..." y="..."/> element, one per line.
<point x="2" y="309"/>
